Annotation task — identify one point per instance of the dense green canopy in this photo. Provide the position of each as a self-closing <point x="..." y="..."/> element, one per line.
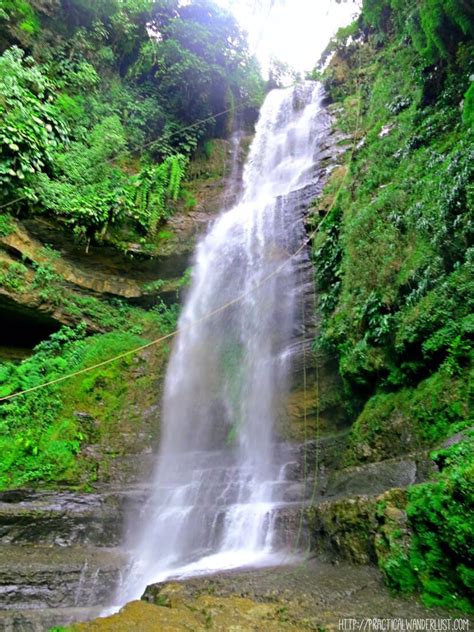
<point x="103" y="98"/>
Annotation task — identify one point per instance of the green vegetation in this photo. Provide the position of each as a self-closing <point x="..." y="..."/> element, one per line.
<point x="103" y="104"/>
<point x="393" y="262"/>
<point x="441" y="514"/>
<point x="437" y="556"/>
<point x="13" y="278"/>
<point x="6" y="225"/>
<point x="31" y="126"/>
<point x="435" y="28"/>
<point x="41" y="435"/>
<point x="394" y="269"/>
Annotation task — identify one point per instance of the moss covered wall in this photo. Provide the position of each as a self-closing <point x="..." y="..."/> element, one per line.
<point x="394" y="274"/>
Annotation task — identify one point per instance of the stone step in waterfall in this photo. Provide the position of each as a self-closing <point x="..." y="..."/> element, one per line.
<point x="36" y="577"/>
<point x="98" y="519"/>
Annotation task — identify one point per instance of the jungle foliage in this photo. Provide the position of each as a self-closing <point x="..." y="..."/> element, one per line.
<point x="394" y="266"/>
<point x="104" y="102"/>
<point x="43" y="433"/>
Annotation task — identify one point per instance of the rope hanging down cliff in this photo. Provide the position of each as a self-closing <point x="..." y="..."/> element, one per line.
<point x="316" y="465"/>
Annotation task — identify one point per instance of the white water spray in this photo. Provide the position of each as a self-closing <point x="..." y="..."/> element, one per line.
<point x="219" y="478"/>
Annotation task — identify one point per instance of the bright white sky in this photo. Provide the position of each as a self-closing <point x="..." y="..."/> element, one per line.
<point x="293" y="31"/>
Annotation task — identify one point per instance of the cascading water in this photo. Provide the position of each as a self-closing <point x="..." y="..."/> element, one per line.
<point x="219" y="475"/>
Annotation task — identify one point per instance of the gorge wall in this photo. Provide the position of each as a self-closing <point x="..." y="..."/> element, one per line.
<point x="393" y="268"/>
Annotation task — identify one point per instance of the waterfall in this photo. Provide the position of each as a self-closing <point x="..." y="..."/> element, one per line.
<point x="220" y="470"/>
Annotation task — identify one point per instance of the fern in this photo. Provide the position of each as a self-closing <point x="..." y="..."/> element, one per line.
<point x="177" y="169"/>
<point x="156" y="188"/>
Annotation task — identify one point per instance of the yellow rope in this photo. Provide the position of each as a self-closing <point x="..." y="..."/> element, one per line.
<point x="217" y="310"/>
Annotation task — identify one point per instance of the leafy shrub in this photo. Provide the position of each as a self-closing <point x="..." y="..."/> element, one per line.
<point x="87" y="190"/>
<point x="14" y="277"/>
<point x="373" y="11"/>
<point x="91" y="193"/>
<point x="31" y="127"/>
<point x="30" y="448"/>
<point x="157" y="187"/>
<point x="392" y="424"/>
<point x="435" y="27"/>
<point x="443" y="25"/>
<point x="19" y="14"/>
<point x="7" y="227"/>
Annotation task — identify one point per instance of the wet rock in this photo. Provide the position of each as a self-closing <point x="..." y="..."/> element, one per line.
<point x="457" y="438"/>
<point x="60" y="518"/>
<point x="23" y="244"/>
<point x="325" y="452"/>
<point x="358" y="528"/>
<point x="373" y="478"/>
<point x="131" y="469"/>
<point x="291" y="532"/>
<point x="44" y="577"/>
<point x="344" y="528"/>
<point x="393" y="531"/>
<point x="27" y="318"/>
<point x="311" y="594"/>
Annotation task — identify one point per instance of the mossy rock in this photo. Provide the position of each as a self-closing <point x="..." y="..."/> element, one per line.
<point x="178" y="614"/>
<point x="345" y="528"/>
<point x="393" y="424"/>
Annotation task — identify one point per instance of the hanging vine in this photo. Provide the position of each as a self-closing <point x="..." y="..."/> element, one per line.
<point x="156" y="188"/>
